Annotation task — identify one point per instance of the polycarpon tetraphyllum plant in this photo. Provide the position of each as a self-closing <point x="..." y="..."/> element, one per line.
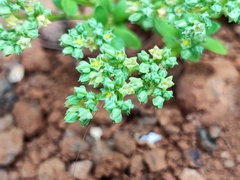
<point x="186" y="27"/>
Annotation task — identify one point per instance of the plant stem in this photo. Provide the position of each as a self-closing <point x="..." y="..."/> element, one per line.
<point x="56" y="17"/>
<point x="86" y="2"/>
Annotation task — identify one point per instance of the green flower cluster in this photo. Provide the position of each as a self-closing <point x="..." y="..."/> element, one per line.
<point x="141" y="12"/>
<point x="18" y="33"/>
<point x="89" y="34"/>
<point x="232" y="10"/>
<point x="112" y="71"/>
<point x="189" y="21"/>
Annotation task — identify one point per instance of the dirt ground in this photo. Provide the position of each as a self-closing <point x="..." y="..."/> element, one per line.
<point x="199" y="126"/>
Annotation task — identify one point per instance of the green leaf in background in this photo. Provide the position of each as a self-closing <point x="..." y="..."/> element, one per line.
<point x="86" y="2"/>
<point x="118" y="43"/>
<point x="107" y="4"/>
<point x="214" y="28"/>
<point x="214" y="45"/>
<point x="168" y="32"/>
<point x="120" y="14"/>
<point x="135" y="17"/>
<point x="70" y="7"/>
<point x="58" y="3"/>
<point x="130" y="39"/>
<point x="163" y="28"/>
<point x="101" y="14"/>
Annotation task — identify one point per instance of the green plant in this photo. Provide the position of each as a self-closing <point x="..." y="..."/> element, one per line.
<point x="186" y="27"/>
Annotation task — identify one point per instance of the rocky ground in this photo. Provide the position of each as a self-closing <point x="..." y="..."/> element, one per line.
<point x="199" y="127"/>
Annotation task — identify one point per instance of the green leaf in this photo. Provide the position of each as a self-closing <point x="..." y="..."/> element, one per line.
<point x="195" y="57"/>
<point x="127" y="106"/>
<point x="214" y="28"/>
<point x="130" y="39"/>
<point x="110" y="105"/>
<point x="85" y="2"/>
<point x="77" y="53"/>
<point x="70" y="7"/>
<point x="168" y="32"/>
<point x="80" y="91"/>
<point x="85" y="114"/>
<point x="144" y="68"/>
<point x="135" y="17"/>
<point x="120" y="14"/>
<point x="85" y="122"/>
<point x="158" y="101"/>
<point x="67" y="50"/>
<point x="8" y="50"/>
<point x="168" y="95"/>
<point x="186" y="54"/>
<point x="214" y="45"/>
<point x="58" y="3"/>
<point x="163" y="28"/>
<point x="66" y="39"/>
<point x="101" y="15"/>
<point x="5" y="11"/>
<point x="33" y="34"/>
<point x="84" y="67"/>
<point x="143" y="96"/>
<point x="116" y="115"/>
<point x="71" y="117"/>
<point x="107" y="4"/>
<point x="118" y="43"/>
<point x="84" y="78"/>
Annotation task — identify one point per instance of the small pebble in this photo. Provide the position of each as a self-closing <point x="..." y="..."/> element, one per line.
<point x="4" y="174"/>
<point x="80" y="169"/>
<point x="16" y="73"/>
<point x="190" y="174"/>
<point x="225" y="155"/>
<point x="96" y="132"/>
<point x="6" y="122"/>
<point x="214" y="132"/>
<point x="194" y="155"/>
<point x="228" y="163"/>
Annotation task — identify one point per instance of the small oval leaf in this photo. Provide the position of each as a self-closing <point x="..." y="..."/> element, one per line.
<point x="107" y="4"/>
<point x="214" y="45"/>
<point x="214" y="28"/>
<point x="101" y="15"/>
<point x="120" y="11"/>
<point x="130" y="39"/>
<point x="58" y="3"/>
<point x="70" y="7"/>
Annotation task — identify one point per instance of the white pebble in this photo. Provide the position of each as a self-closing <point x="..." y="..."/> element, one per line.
<point x="16" y="73"/>
<point x="215" y="132"/>
<point x="228" y="163"/>
<point x="225" y="155"/>
<point x="96" y="132"/>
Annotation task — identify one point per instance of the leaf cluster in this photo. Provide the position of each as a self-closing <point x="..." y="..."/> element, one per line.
<point x="20" y="29"/>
